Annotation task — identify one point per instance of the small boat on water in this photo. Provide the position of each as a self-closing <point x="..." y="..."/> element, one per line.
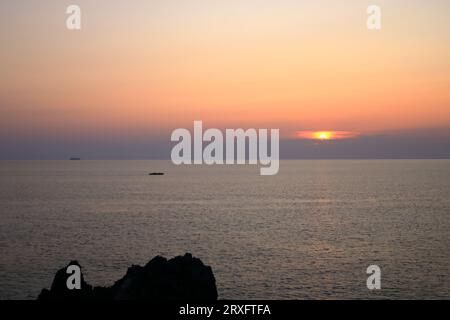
<point x="156" y="174"/>
<point x="75" y="159"/>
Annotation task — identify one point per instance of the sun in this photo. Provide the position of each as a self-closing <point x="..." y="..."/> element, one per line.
<point x="326" y="135"/>
<point x="323" y="135"/>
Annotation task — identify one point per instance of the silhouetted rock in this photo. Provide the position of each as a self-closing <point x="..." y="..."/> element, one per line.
<point x="180" y="278"/>
<point x="59" y="289"/>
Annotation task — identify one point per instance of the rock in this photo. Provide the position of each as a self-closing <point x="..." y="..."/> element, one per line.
<point x="181" y="278"/>
<point x="59" y="290"/>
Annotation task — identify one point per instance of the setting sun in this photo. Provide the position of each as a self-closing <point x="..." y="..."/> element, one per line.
<point x="326" y="135"/>
<point x="323" y="135"/>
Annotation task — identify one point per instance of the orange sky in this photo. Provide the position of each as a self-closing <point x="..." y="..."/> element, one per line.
<point x="155" y="66"/>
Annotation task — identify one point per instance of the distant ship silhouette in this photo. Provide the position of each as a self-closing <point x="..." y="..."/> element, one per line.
<point x="156" y="174"/>
<point x="75" y="158"/>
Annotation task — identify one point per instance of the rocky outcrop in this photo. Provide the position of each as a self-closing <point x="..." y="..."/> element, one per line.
<point x="181" y="278"/>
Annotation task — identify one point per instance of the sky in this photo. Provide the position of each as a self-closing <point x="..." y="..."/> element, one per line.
<point x="137" y="70"/>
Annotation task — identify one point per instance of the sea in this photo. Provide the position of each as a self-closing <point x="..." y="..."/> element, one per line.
<point x="309" y="232"/>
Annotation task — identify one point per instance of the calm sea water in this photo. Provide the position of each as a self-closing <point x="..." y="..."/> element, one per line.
<point x="308" y="233"/>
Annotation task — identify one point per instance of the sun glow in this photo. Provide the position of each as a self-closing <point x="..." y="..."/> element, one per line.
<point x="325" y="135"/>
